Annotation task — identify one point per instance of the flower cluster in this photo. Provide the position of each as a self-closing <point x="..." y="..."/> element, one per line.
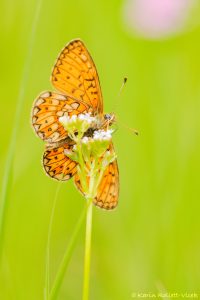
<point x="103" y="135"/>
<point x="79" y="123"/>
<point x="91" y="151"/>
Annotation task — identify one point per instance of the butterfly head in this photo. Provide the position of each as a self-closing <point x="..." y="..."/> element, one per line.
<point x="109" y="118"/>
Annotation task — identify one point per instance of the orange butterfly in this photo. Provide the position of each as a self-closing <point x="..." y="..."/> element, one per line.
<point x="75" y="77"/>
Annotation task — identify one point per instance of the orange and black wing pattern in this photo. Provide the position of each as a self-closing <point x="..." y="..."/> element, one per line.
<point x="57" y="165"/>
<point x="76" y="79"/>
<point x="47" y="109"/>
<point x="75" y="75"/>
<point x="108" y="190"/>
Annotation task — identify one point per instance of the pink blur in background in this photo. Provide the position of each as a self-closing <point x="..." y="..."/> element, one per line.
<point x="157" y="18"/>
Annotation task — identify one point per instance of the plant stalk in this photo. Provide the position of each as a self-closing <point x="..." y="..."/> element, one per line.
<point x="65" y="261"/>
<point x="87" y="260"/>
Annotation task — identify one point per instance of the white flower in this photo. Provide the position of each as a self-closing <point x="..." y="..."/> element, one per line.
<point x="67" y="119"/>
<point x="86" y="117"/>
<point x="85" y="140"/>
<point x="74" y="118"/>
<point x="78" y="123"/>
<point x="103" y="135"/>
<point x="74" y="147"/>
<point x="63" y="119"/>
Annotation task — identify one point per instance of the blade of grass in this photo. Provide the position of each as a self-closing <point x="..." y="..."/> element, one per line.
<point x="6" y="182"/>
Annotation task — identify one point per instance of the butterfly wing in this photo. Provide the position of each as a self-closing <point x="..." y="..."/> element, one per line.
<point x="47" y="109"/>
<point x="75" y="75"/>
<point x="57" y="165"/>
<point x="108" y="189"/>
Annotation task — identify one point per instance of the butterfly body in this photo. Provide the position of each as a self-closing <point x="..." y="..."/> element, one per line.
<point x="75" y="77"/>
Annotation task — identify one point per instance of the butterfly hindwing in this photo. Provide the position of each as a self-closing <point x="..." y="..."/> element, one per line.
<point x="108" y="189"/>
<point x="47" y="109"/>
<point x="75" y="74"/>
<point x="57" y="165"/>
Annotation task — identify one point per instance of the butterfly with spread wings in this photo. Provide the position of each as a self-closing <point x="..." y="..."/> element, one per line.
<point x="75" y="77"/>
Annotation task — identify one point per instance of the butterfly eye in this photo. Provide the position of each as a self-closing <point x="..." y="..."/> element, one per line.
<point x="107" y="116"/>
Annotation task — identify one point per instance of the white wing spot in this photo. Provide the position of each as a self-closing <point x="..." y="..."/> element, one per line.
<point x="83" y="57"/>
<point x="60" y="113"/>
<point x="89" y="65"/>
<point x="35" y="110"/>
<point x="34" y="119"/>
<point x="68" y="107"/>
<point x="54" y="136"/>
<point x="75" y="105"/>
<point x="36" y="127"/>
<point x="40" y="101"/>
<point x="55" y="102"/>
<point x="41" y="135"/>
<point x="61" y="177"/>
<point x="61" y="97"/>
<point x="47" y="168"/>
<point x="45" y="95"/>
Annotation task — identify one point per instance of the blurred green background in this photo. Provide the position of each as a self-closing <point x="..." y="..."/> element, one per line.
<point x="151" y="241"/>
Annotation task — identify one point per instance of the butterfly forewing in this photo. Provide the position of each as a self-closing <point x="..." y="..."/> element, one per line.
<point x="75" y="74"/>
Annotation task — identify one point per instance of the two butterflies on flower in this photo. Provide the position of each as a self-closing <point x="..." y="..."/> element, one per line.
<point x="75" y="77"/>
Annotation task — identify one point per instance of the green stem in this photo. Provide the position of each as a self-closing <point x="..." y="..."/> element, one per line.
<point x="87" y="251"/>
<point x="88" y="231"/>
<point x="65" y="261"/>
<point x="90" y="192"/>
<point x="82" y="167"/>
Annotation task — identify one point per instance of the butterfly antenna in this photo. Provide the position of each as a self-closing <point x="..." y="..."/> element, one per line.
<point x="120" y="92"/>
<point x="133" y="130"/>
